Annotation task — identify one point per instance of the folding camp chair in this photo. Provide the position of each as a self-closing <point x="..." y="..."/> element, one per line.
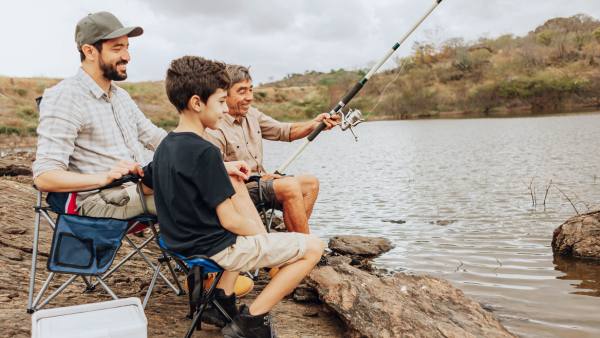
<point x="197" y="269"/>
<point x="84" y="246"/>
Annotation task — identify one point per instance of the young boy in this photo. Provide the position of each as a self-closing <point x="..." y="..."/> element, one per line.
<point x="196" y="215"/>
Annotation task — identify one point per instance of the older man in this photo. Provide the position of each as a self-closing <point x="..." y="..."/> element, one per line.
<point x="240" y="137"/>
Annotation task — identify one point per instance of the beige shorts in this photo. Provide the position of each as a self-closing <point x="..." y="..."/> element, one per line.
<point x="120" y="202"/>
<point x="264" y="250"/>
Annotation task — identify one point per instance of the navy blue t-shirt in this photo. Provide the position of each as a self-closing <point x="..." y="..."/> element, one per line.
<point x="189" y="181"/>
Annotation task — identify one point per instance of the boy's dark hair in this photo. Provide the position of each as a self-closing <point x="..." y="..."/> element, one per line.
<point x="97" y="45"/>
<point x="193" y="75"/>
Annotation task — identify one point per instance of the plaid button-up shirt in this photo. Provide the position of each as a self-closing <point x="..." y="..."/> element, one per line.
<point x="241" y="139"/>
<point x="83" y="130"/>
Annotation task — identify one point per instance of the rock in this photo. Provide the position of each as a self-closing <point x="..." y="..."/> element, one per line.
<point x="305" y="294"/>
<point x="360" y="245"/>
<point x="12" y="254"/>
<point x="579" y="236"/>
<point x="401" y="305"/>
<point x="14" y="170"/>
<point x="13" y="230"/>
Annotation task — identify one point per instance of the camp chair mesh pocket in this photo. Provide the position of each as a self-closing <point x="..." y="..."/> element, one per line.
<point x="85" y="245"/>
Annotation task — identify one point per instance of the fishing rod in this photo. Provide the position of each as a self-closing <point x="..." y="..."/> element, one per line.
<point x="353" y="117"/>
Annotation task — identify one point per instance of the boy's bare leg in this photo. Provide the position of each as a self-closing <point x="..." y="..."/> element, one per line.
<point x="227" y="281"/>
<point x="288" y="278"/>
<point x="244" y="205"/>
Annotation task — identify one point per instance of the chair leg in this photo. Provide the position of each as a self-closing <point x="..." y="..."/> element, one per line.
<point x="179" y="291"/>
<point x="152" y="283"/>
<point x="205" y="297"/>
<point x="33" y="306"/>
<point x="34" y="252"/>
<point x="110" y="292"/>
<point x="59" y="290"/>
<point x="120" y="263"/>
<point x="163" y="277"/>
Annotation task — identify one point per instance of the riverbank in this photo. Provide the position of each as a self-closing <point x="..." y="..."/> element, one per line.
<point x="418" y="299"/>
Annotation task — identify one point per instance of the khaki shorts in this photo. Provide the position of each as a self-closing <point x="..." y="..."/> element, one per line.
<point x="265" y="250"/>
<point x="120" y="202"/>
<point x="268" y="194"/>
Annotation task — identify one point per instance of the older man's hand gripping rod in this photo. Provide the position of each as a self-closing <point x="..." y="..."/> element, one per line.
<point x="352" y="92"/>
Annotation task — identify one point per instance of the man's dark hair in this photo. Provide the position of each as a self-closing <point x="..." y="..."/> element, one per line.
<point x="193" y="75"/>
<point x="97" y="45"/>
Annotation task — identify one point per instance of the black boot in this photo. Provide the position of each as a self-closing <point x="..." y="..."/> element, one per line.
<point x="213" y="316"/>
<point x="248" y="326"/>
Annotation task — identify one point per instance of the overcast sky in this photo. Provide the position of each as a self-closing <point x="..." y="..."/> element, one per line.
<point x="273" y="37"/>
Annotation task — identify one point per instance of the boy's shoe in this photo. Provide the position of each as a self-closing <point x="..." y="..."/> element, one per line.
<point x="245" y="325"/>
<point x="213" y="316"/>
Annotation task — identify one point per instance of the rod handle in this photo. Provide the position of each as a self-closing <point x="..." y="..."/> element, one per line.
<point x="316" y="132"/>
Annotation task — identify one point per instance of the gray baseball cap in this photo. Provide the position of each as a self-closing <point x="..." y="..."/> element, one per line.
<point x="102" y="26"/>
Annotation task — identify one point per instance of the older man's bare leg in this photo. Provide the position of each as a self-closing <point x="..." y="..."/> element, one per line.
<point x="243" y="204"/>
<point x="309" y="185"/>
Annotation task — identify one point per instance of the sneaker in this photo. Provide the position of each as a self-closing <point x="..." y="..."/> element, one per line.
<point x="213" y="316"/>
<point x="245" y="325"/>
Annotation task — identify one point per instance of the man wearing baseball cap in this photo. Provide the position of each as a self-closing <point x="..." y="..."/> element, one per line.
<point x="91" y="132"/>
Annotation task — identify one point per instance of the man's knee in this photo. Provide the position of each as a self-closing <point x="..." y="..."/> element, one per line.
<point x="309" y="183"/>
<point x="287" y="188"/>
<point x="314" y="247"/>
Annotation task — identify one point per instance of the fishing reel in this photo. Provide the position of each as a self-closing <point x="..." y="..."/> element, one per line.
<point x="350" y="120"/>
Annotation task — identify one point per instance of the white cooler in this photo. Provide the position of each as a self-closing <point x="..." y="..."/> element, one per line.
<point x="112" y="319"/>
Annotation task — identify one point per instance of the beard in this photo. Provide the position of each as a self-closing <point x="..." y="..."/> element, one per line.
<point x="110" y="71"/>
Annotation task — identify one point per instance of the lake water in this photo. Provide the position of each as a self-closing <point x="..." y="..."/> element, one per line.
<point x="462" y="189"/>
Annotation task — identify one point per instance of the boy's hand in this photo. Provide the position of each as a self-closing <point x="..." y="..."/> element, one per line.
<point x="121" y="169"/>
<point x="238" y="169"/>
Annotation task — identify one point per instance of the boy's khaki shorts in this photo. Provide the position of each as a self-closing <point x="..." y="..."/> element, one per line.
<point x="264" y="250"/>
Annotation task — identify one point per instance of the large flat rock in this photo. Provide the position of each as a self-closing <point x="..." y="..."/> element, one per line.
<point x="360" y="245"/>
<point x="401" y="305"/>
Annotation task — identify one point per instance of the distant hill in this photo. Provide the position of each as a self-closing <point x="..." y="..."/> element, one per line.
<point x="554" y="68"/>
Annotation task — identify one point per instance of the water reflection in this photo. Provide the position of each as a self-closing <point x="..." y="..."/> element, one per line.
<point x="585" y="273"/>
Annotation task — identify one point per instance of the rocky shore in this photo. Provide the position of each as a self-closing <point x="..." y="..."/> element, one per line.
<point x="346" y="296"/>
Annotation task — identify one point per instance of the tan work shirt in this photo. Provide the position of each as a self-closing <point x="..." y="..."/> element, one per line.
<point x="240" y="139"/>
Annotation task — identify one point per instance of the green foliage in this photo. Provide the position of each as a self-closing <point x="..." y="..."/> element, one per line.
<point x="22" y="92"/>
<point x="10" y="130"/>
<point x="596" y="34"/>
<point x="167" y="124"/>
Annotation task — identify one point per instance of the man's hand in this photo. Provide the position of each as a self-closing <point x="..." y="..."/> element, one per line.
<point x="270" y="177"/>
<point x="330" y="121"/>
<point x="239" y="169"/>
<point x="119" y="170"/>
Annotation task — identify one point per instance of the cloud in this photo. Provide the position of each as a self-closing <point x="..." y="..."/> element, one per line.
<point x="274" y="37"/>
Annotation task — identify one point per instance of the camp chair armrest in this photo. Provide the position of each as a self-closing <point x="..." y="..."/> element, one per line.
<point x="125" y="179"/>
